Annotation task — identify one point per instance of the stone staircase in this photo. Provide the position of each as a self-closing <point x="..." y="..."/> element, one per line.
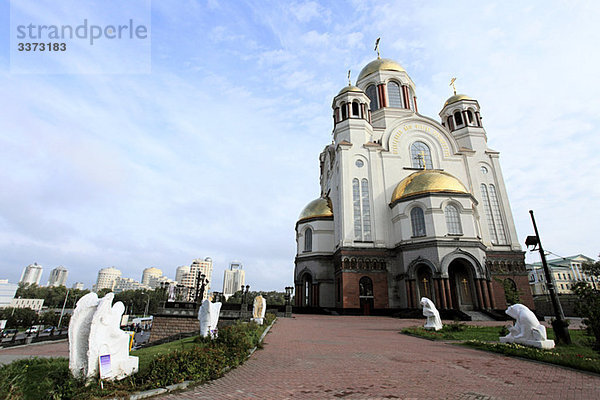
<point x="478" y="316"/>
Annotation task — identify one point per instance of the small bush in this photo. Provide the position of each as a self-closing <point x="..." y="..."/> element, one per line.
<point x="454" y="327"/>
<point x="504" y="331"/>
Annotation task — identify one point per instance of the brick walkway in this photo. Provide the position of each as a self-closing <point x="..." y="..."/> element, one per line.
<point x="59" y="348"/>
<point x="324" y="357"/>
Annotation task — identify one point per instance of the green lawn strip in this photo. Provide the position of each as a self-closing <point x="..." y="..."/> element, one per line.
<point x="578" y="355"/>
<point x="191" y="359"/>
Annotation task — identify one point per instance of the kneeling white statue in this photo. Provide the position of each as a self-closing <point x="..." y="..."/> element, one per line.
<point x="258" y="312"/>
<point x="208" y="315"/>
<point x="527" y="329"/>
<point x="96" y="340"/>
<point x="434" y="322"/>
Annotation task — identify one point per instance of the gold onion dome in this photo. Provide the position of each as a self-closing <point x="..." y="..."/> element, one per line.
<point x="428" y="181"/>
<point x="318" y="208"/>
<point x="457" y="97"/>
<point x="380" y="64"/>
<point x="350" y="88"/>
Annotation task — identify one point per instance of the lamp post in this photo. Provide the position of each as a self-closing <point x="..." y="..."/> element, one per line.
<point x="288" y="304"/>
<point x="63" y="309"/>
<point x="202" y="287"/>
<point x="559" y="325"/>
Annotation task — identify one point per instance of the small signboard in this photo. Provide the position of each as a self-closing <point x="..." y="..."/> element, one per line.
<point x="125" y="320"/>
<point x="2" y="323"/>
<point x="105" y="368"/>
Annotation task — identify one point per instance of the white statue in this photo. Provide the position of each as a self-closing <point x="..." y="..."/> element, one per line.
<point x="434" y="322"/>
<point x="107" y="339"/>
<point x="79" y="334"/>
<point x="527" y="329"/>
<point x="171" y="293"/>
<point x="208" y="315"/>
<point x="259" y="309"/>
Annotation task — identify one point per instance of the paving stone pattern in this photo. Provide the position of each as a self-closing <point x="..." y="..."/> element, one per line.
<point x="325" y="357"/>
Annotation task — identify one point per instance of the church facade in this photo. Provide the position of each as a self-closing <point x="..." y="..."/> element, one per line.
<point x="409" y="207"/>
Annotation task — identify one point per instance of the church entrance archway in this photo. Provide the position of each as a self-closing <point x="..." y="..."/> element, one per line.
<point x="462" y="288"/>
<point x="307" y="289"/>
<point x="425" y="283"/>
<point x="365" y="294"/>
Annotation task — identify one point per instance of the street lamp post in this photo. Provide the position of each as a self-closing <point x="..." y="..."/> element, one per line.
<point x="288" y="304"/>
<point x="62" y="312"/>
<point x="559" y="325"/>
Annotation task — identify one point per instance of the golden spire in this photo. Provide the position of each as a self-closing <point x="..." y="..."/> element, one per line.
<point x="377" y="46"/>
<point x="452" y="84"/>
<point x="349" y="81"/>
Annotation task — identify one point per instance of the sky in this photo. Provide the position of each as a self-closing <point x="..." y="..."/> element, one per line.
<point x="205" y="143"/>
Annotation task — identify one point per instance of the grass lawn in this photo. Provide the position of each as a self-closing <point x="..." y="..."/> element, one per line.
<point x="146" y="355"/>
<point x="579" y="354"/>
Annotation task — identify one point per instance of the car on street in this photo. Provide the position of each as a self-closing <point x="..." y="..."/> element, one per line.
<point x="9" y="332"/>
<point x="49" y="329"/>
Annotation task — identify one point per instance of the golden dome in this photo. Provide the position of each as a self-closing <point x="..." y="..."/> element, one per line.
<point x="317" y="208"/>
<point x="427" y="181"/>
<point x="350" y="88"/>
<point x="380" y="64"/>
<point x="457" y="97"/>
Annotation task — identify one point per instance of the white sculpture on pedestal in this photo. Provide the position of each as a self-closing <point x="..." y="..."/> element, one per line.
<point x="259" y="309"/>
<point x="434" y="322"/>
<point x="107" y="339"/>
<point x="208" y="315"/>
<point x="79" y="334"/>
<point x="527" y="329"/>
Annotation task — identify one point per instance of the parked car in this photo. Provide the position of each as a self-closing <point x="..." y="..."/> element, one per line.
<point x="33" y="329"/>
<point x="49" y="329"/>
<point x="9" y="332"/>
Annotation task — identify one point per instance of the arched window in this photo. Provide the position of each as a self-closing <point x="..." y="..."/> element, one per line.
<point x="470" y="117"/>
<point x="356" y="207"/>
<point x="417" y="220"/>
<point x="344" y="111"/>
<point x="450" y="123"/>
<point x="308" y="240"/>
<point x="421" y="155"/>
<point x="394" y="95"/>
<point x="497" y="215"/>
<point x="355" y="109"/>
<point x="453" y="220"/>
<point x="366" y="210"/>
<point x="365" y="287"/>
<point x="372" y="95"/>
<point x="458" y="118"/>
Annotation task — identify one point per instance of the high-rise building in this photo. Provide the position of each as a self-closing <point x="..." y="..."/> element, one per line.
<point x="32" y="274"/>
<point x="190" y="280"/>
<point x="409" y="206"/>
<point x="107" y="278"/>
<point x="7" y="292"/>
<point x="123" y="284"/>
<point x="78" y="286"/>
<point x="58" y="276"/>
<point x="181" y="273"/>
<point x="150" y="273"/>
<point x="233" y="279"/>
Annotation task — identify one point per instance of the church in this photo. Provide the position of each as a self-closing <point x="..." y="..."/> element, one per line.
<point x="410" y="207"/>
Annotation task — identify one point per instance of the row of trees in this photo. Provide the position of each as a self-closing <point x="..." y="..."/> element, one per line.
<point x="26" y="317"/>
<point x="54" y="297"/>
<point x="273" y="298"/>
<point x="588" y="301"/>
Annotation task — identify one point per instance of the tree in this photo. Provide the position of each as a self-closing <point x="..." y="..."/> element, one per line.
<point x="588" y="300"/>
<point x="19" y="317"/>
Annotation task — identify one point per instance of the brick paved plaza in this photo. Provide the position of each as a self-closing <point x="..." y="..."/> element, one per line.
<point x="321" y="357"/>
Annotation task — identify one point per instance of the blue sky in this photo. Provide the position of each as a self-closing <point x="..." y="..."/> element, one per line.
<point x="214" y="152"/>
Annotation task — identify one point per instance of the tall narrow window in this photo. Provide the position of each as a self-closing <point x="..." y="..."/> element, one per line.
<point x="344" y="111"/>
<point x="372" y="95"/>
<point x="488" y="213"/>
<point x="355" y="109"/>
<point x="470" y="117"/>
<point x="308" y="240"/>
<point x="453" y="220"/>
<point x="497" y="215"/>
<point x="458" y="118"/>
<point x="356" y="207"/>
<point x="417" y="220"/>
<point x="394" y="95"/>
<point x="421" y="156"/>
<point x="366" y="210"/>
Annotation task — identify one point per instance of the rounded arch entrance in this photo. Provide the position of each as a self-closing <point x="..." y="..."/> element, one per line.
<point x="463" y="289"/>
<point x="424" y="277"/>
<point x="365" y="294"/>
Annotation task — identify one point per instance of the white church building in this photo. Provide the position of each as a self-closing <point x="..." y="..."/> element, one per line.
<point x="409" y="207"/>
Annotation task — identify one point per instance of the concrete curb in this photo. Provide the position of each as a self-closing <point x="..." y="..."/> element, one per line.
<point x="184" y="384"/>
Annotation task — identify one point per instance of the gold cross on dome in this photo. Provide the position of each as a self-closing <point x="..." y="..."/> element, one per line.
<point x="377" y="46"/>
<point x="452" y="84"/>
<point x="349" y="81"/>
